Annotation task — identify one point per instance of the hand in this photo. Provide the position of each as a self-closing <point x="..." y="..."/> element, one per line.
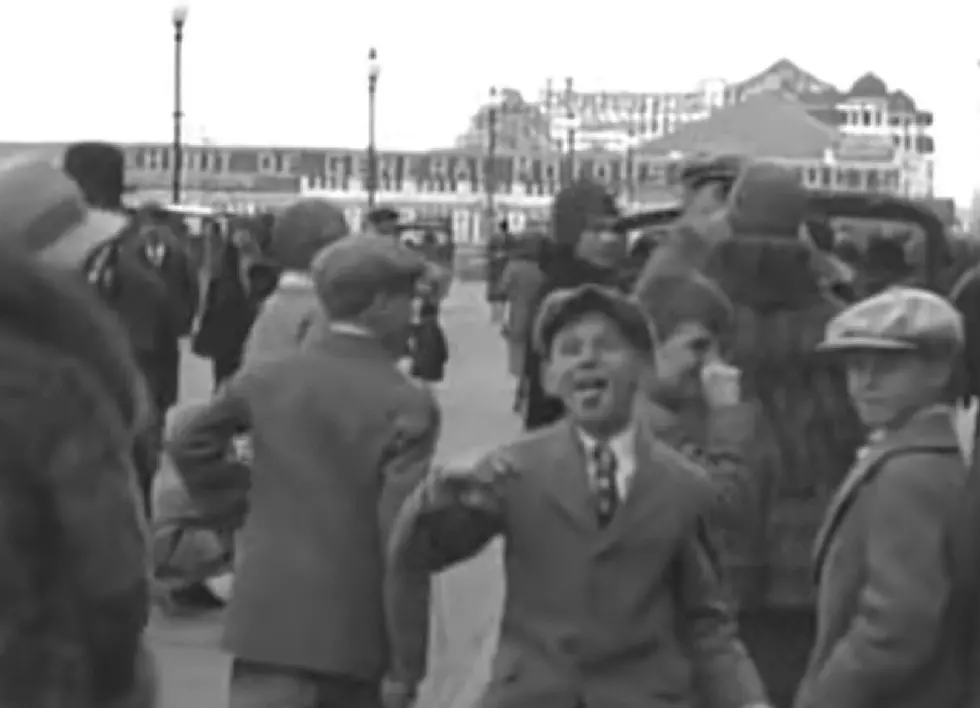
<point x="396" y="693"/>
<point x="477" y="487"/>
<point x="721" y="384"/>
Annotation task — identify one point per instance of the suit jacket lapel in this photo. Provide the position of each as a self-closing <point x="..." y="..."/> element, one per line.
<point x="930" y="430"/>
<point x="650" y="490"/>
<point x="565" y="476"/>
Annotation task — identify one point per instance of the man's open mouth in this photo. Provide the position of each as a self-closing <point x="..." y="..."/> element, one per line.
<point x="591" y="386"/>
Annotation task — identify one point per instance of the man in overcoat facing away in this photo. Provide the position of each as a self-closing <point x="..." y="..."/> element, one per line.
<point x="340" y="437"/>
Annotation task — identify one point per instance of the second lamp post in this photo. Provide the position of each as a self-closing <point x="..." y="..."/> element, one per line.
<point x="374" y="71"/>
<point x="178" y="17"/>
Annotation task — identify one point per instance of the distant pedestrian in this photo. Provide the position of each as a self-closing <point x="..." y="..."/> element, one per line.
<point x="497" y="253"/>
<point x="430" y="349"/>
<point x="292" y="310"/>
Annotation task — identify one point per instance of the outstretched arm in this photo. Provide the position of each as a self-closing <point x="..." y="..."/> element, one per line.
<point x="434" y="529"/>
<point x="406" y="461"/>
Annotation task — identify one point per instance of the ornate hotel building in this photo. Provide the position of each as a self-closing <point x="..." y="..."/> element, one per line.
<point x="867" y="138"/>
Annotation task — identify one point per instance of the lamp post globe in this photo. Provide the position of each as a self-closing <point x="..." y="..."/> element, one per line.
<point x="179" y="15"/>
<point x="374" y="66"/>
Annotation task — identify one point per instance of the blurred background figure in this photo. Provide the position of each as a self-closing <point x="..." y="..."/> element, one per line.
<point x="497" y="252"/>
<point x="382" y="221"/>
<point x="883" y="264"/>
<point x="243" y="277"/>
<point x="430" y="349"/>
<point x="521" y="283"/>
<point x="147" y="277"/>
<point x="290" y="311"/>
<point x="588" y="248"/>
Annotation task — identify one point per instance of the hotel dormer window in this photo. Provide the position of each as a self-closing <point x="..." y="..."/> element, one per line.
<point x="265" y="162"/>
<point x="152" y="159"/>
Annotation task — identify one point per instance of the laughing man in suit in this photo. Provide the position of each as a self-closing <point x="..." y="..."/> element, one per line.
<point x="613" y="599"/>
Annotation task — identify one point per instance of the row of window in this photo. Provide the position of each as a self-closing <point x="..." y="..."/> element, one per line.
<point x="872" y="117"/>
<point x="206" y="160"/>
<point x="816" y="177"/>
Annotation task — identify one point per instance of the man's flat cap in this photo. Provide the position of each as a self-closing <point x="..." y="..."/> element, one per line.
<point x="366" y="262"/>
<point x="565" y="306"/>
<point x="897" y="319"/>
<point x="302" y="229"/>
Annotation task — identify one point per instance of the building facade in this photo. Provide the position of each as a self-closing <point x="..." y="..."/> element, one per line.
<point x="867" y="110"/>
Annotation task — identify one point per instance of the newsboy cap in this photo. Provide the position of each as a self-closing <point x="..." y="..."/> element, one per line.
<point x="366" y="264"/>
<point x="899" y="318"/>
<point x="302" y="229"/>
<point x="564" y="306"/>
<point x="43" y="212"/>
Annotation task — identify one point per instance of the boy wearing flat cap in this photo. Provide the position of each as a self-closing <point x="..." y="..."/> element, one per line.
<point x="612" y="596"/>
<point x="340" y="437"/>
<point x="887" y="604"/>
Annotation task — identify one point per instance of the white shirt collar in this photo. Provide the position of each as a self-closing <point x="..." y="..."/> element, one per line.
<point x="295" y="280"/>
<point x="350" y="328"/>
<point x="623" y="446"/>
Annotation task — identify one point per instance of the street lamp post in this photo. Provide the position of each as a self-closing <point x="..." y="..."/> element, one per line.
<point x="570" y="135"/>
<point x="490" y="164"/>
<point x="178" y="17"/>
<point x="629" y="167"/>
<point x="374" y="71"/>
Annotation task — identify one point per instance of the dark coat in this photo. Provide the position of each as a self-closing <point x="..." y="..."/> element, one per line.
<point x="229" y="310"/>
<point x="430" y="350"/>
<point x="340" y="437"/>
<point x="807" y="431"/>
<point x="148" y="278"/>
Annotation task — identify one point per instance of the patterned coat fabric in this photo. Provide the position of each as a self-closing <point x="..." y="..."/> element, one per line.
<point x="807" y="431"/>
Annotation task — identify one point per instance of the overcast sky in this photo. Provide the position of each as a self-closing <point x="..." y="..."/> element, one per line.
<point x="294" y="71"/>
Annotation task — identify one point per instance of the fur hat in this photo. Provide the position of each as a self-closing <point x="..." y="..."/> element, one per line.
<point x="42" y="212"/>
<point x="302" y="229"/>
<point x="767" y="200"/>
<point x="579" y="206"/>
<point x="99" y="170"/>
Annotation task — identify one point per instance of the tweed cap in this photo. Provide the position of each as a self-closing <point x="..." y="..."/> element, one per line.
<point x="302" y="229"/>
<point x="367" y="263"/>
<point x="43" y="212"/>
<point x="897" y="319"/>
<point x="562" y="307"/>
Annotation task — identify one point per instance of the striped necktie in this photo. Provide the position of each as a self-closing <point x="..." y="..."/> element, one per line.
<point x="606" y="490"/>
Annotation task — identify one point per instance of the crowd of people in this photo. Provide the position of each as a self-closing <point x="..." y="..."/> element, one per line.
<point x="735" y="488"/>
